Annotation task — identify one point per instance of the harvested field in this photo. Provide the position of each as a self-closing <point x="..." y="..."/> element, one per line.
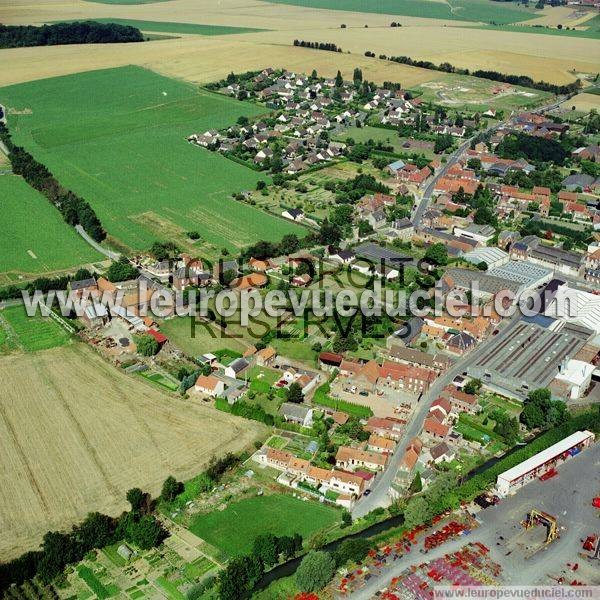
<point x="76" y="434"/>
<point x="557" y="58"/>
<point x="584" y="102"/>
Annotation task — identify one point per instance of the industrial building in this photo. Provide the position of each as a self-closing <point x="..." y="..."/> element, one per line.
<point x="529" y="358"/>
<point x="491" y="256"/>
<point x="513" y="479"/>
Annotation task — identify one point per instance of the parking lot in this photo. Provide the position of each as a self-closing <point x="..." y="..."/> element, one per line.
<point x="383" y="404"/>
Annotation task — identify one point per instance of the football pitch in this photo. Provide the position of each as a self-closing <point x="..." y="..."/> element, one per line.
<point x="117" y="137"/>
<point x="35" y="240"/>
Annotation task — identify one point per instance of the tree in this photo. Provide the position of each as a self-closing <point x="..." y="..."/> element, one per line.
<point x="171" y="489"/>
<point x="228" y="276"/>
<point x="294" y="393"/>
<point x="417" y="512"/>
<point x="265" y="548"/>
<point x="288" y="545"/>
<point x="473" y="386"/>
<point x="121" y="270"/>
<point x="540" y="410"/>
<point x="417" y="485"/>
<point x="437" y="254"/>
<point x="146" y="345"/>
<point x="146" y="533"/>
<point x="315" y="571"/>
<point x="136" y="498"/>
<point x="239" y="578"/>
<point x="339" y="80"/>
<point x="352" y="550"/>
<point x="329" y="234"/>
<point x="346" y="519"/>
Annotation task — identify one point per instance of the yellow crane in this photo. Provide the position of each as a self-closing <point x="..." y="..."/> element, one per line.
<point x="539" y="517"/>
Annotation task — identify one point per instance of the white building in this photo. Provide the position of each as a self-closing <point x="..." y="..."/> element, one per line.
<point x="577" y="374"/>
<point x="513" y="479"/>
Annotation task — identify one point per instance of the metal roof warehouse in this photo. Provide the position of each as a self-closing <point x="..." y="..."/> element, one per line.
<point x="517" y="475"/>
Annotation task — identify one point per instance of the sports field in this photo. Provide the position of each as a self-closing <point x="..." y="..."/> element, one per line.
<point x="117" y="137"/>
<point x="453" y="10"/>
<point x="172" y="27"/>
<point x="35" y="239"/>
<point x="76" y="433"/>
<point x="29" y="334"/>
<point x="233" y="530"/>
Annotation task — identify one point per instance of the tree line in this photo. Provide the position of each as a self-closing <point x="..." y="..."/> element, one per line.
<point x="74" y="209"/>
<point x="329" y="46"/>
<point x="85" y="32"/>
<point x="522" y="80"/>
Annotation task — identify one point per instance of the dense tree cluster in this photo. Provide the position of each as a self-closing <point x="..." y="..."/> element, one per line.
<point x="84" y="32"/>
<point x="540" y="411"/>
<point x="330" y="47"/>
<point x="75" y="210"/>
<point x="44" y="284"/>
<point x="121" y="270"/>
<point x="243" y="573"/>
<point x="263" y="249"/>
<point x="521" y="145"/>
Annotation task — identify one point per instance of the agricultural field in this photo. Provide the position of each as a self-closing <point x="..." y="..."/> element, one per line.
<point x="29" y="334"/>
<point x="115" y="432"/>
<point x="171" y="27"/>
<point x="469" y="93"/>
<point x="453" y="10"/>
<point x="49" y="246"/>
<point x="117" y="137"/>
<point x="234" y="529"/>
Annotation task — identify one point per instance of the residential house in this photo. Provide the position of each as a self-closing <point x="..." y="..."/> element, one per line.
<point x="385" y="427"/>
<point x="380" y="444"/>
<point x="209" y="385"/>
<point x="351" y="458"/>
<point x="236" y="368"/>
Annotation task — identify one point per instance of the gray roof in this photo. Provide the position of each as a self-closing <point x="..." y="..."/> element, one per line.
<point x="374" y="252"/>
<point x="464" y="278"/>
<point x="294" y="411"/>
<point x="578" y="180"/>
<point x="238" y="365"/>
<point x="82" y="284"/>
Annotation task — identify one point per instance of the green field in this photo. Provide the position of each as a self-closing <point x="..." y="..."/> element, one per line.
<point x="95" y="584"/>
<point x="233" y="530"/>
<point x="49" y="245"/>
<point x="455" y="10"/>
<point x="172" y="27"/>
<point x="29" y="333"/>
<point x="117" y="137"/>
<point x="199" y="341"/>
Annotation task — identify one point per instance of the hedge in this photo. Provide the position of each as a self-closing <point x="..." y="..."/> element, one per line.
<point x="322" y="398"/>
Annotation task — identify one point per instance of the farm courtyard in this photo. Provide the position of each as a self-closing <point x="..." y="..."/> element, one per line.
<point x="76" y="434"/>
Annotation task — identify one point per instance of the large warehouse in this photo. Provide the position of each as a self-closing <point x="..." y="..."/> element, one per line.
<point x="515" y="478"/>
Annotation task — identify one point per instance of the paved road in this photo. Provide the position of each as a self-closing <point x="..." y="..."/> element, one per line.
<point x="568" y="497"/>
<point x="94" y="244"/>
<point x="379" y="489"/>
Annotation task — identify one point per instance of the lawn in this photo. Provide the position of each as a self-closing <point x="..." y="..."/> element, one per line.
<point x="169" y="588"/>
<point x="233" y="530"/>
<point x="453" y="10"/>
<point x="48" y="246"/>
<point x="117" y="137"/>
<point x="262" y="379"/>
<point x="160" y="379"/>
<point x="388" y="137"/>
<point x="30" y="333"/>
<point x="276" y="442"/>
<point x="173" y="27"/>
<point x="198" y="340"/>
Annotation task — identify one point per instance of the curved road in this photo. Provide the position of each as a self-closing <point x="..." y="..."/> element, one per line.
<point x="94" y="244"/>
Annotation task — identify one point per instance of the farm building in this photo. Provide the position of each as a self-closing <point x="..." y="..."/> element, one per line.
<point x="513" y="479"/>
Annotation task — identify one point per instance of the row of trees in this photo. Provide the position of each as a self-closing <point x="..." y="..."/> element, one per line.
<point x="84" y="32"/>
<point x="522" y="80"/>
<point x="44" y="284"/>
<point x="329" y="46"/>
<point x="74" y="209"/>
